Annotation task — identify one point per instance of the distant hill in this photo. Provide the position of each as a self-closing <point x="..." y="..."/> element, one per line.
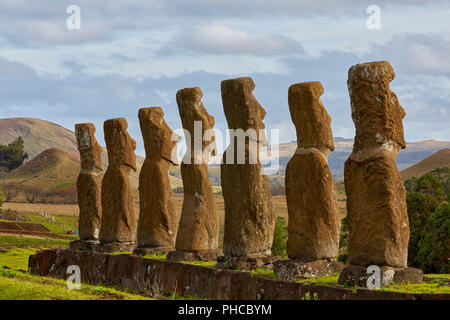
<point x="412" y="154"/>
<point x="49" y="177"/>
<point x="436" y="160"/>
<point x="41" y="135"/>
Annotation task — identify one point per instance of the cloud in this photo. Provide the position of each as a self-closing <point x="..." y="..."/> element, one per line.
<point x="28" y="23"/>
<point x="220" y="39"/>
<point x="418" y="53"/>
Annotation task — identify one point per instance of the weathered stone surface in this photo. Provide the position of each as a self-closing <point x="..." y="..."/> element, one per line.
<point x="249" y="217"/>
<point x="358" y="276"/>
<point x="297" y="270"/>
<point x="94" y="245"/>
<point x="199" y="224"/>
<point x="158" y="220"/>
<point x="311" y="119"/>
<point x="206" y="255"/>
<point x="314" y="222"/>
<point x="148" y="251"/>
<point x="84" y="244"/>
<point x="376" y="196"/>
<point x="376" y="110"/>
<point x="164" y="278"/>
<point x="118" y="222"/>
<point x="89" y="182"/>
<point x="246" y="263"/>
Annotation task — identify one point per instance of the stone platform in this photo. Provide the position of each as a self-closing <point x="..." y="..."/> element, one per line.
<point x="246" y="263"/>
<point x="155" y="277"/>
<point x="92" y="245"/>
<point x="297" y="270"/>
<point x="148" y="251"/>
<point x="208" y="255"/>
<point x="357" y="276"/>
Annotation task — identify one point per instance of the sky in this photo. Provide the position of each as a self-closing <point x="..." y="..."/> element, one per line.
<point x="132" y="54"/>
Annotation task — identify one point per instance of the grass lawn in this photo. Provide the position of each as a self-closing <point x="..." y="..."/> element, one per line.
<point x="60" y="226"/>
<point x="29" y="241"/>
<point x="436" y="286"/>
<point x="16" y="285"/>
<point x="16" y="258"/>
<point x="19" y="285"/>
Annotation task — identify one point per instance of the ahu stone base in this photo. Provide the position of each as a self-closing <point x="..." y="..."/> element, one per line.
<point x="155" y="278"/>
<point x="148" y="251"/>
<point x="93" y="245"/>
<point x="358" y="276"/>
<point x="207" y="255"/>
<point x="84" y="245"/>
<point x="297" y="270"/>
<point x="246" y="263"/>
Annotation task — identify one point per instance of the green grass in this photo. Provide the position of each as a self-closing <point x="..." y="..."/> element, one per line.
<point x="207" y="264"/>
<point x="322" y="281"/>
<point x="263" y="273"/>
<point x="60" y="226"/>
<point x="20" y="286"/>
<point x="161" y="257"/>
<point x="16" y="258"/>
<point x="425" y="287"/>
<point x="442" y="276"/>
<point x="27" y="241"/>
<point x="435" y="286"/>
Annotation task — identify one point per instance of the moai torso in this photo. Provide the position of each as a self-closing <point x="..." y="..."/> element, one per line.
<point x="118" y="220"/>
<point x="249" y="218"/>
<point x="376" y="197"/>
<point x="199" y="224"/>
<point x="89" y="182"/>
<point x="310" y="191"/>
<point x="158" y="220"/>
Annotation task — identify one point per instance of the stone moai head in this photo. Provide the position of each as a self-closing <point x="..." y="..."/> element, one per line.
<point x="311" y="119"/>
<point x="191" y="109"/>
<point x="89" y="148"/>
<point x="376" y="112"/>
<point x="119" y="143"/>
<point x="159" y="139"/>
<point x="241" y="108"/>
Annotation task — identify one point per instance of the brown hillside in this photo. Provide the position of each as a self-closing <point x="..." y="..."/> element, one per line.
<point x="40" y="135"/>
<point x="49" y="177"/>
<point x="436" y="160"/>
<point x="51" y="169"/>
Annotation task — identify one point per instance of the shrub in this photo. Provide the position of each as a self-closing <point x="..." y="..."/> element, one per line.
<point x="13" y="155"/>
<point x="426" y="196"/>
<point x="280" y="237"/>
<point x="434" y="253"/>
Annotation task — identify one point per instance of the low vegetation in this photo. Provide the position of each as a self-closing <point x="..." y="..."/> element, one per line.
<point x="13" y="155"/>
<point x="429" y="219"/>
<point x="15" y="285"/>
<point x="280" y="238"/>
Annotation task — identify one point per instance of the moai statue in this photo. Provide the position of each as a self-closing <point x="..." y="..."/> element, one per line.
<point x="118" y="224"/>
<point x="158" y="220"/>
<point x="311" y="196"/>
<point x="88" y="186"/>
<point x="198" y="234"/>
<point x="376" y="196"/>
<point x="249" y="218"/>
